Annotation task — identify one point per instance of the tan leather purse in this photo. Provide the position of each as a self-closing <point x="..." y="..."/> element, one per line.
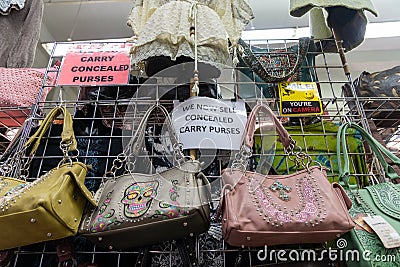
<point x="303" y="207"/>
<point x="50" y="207"/>
<point x="138" y="209"/>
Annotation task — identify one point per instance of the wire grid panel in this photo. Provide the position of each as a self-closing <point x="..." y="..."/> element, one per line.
<point x="13" y="114"/>
<point x="105" y="117"/>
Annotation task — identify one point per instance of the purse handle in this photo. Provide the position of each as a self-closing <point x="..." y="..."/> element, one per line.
<point x="376" y="147"/>
<point x="248" y="136"/>
<point x="68" y="141"/>
<point x="132" y="148"/>
<point x="254" y="63"/>
<point x="137" y="139"/>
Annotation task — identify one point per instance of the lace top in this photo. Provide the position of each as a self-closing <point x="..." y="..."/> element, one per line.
<point x="167" y="33"/>
<point x="234" y="14"/>
<point x="162" y="28"/>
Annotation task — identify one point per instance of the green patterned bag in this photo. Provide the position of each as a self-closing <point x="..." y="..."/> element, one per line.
<point x="381" y="199"/>
<point x="319" y="141"/>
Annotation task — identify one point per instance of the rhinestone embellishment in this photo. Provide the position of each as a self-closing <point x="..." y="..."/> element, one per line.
<point x="310" y="208"/>
<point x="283" y="189"/>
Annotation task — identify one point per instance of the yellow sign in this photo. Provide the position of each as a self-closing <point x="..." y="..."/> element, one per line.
<point x="299" y="99"/>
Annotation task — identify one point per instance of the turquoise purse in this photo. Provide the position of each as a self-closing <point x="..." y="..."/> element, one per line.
<point x="380" y="199"/>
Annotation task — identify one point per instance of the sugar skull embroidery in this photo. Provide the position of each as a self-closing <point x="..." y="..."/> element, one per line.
<point x="138" y="197"/>
<point x="170" y="209"/>
<point x="104" y="220"/>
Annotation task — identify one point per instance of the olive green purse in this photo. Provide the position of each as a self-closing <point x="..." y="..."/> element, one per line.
<point x="50" y="207"/>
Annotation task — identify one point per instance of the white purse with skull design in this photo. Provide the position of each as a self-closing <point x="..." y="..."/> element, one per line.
<point x="139" y="209"/>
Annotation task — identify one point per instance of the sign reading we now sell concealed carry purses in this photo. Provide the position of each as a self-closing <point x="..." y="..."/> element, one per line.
<point x="208" y="123"/>
<point x="299" y="99"/>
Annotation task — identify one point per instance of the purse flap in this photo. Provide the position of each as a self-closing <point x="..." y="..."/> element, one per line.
<point x="81" y="185"/>
<point x="386" y="197"/>
<point x="342" y="192"/>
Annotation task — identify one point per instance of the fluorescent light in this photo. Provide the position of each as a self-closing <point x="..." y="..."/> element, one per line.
<point x="278" y="34"/>
<point x="383" y="29"/>
<point x="61" y="48"/>
<point x="374" y="30"/>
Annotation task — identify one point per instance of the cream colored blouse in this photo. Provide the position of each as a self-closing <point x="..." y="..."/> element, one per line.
<point x="234" y="14"/>
<point x="162" y="28"/>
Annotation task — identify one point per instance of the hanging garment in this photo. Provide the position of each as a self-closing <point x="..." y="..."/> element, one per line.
<point x="345" y="18"/>
<point x="233" y="14"/>
<point x="19" y="33"/>
<point x="162" y="28"/>
<point x="7" y="5"/>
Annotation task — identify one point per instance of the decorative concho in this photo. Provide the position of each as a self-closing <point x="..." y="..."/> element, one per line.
<point x="283" y="189"/>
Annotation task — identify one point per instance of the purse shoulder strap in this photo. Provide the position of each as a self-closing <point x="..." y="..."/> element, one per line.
<point x="138" y="137"/>
<point x="248" y="136"/>
<point x="378" y="149"/>
<point x="132" y="148"/>
<point x="67" y="135"/>
<point x="377" y="135"/>
<point x="241" y="158"/>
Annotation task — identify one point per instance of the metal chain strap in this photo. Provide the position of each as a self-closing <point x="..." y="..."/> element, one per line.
<point x="118" y="163"/>
<point x="241" y="160"/>
<point x="133" y="147"/>
<point x="5" y="168"/>
<point x="17" y="162"/>
<point x="301" y="159"/>
<point x="67" y="157"/>
<point x="178" y="153"/>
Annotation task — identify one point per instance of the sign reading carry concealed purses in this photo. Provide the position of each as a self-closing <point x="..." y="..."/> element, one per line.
<point x="96" y="68"/>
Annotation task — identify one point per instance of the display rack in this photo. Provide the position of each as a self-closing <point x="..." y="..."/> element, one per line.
<point x="101" y="134"/>
<point x="383" y="113"/>
<point x="12" y="118"/>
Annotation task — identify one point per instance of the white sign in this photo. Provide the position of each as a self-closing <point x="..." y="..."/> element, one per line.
<point x="208" y="123"/>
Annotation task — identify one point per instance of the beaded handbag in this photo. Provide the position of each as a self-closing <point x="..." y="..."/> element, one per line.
<point x="266" y="66"/>
<point x="380" y="199"/>
<point x="303" y="207"/>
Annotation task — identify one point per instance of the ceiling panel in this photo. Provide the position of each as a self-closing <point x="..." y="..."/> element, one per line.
<point x="104" y="19"/>
<point x="95" y="20"/>
<point x="274" y="14"/>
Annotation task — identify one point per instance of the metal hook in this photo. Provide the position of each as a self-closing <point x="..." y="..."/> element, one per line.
<point x="373" y="180"/>
<point x="61" y="98"/>
<point x="259" y="102"/>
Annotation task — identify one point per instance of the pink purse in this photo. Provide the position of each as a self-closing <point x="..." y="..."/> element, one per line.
<point x="259" y="210"/>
